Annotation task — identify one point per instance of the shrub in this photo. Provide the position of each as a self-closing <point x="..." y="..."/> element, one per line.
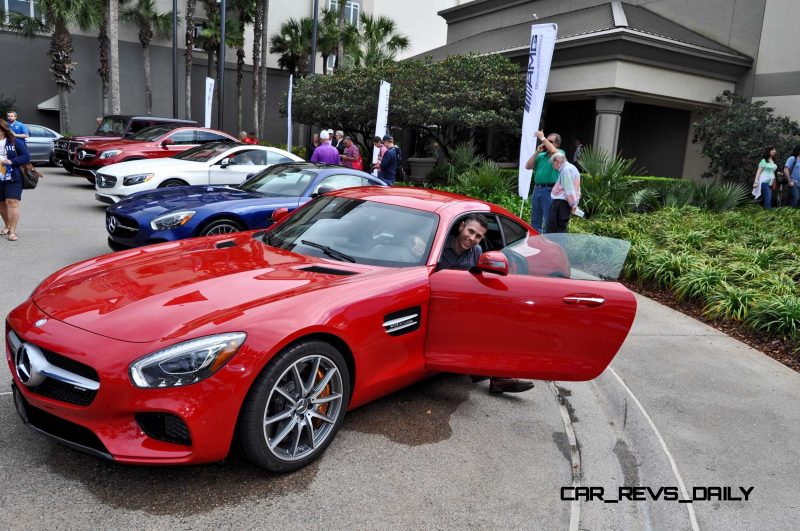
<point x="606" y="187"/>
<point x="777" y="315"/>
<point x="699" y="283"/>
<point x="664" y="268"/>
<point x="486" y="179"/>
<point x="730" y="302"/>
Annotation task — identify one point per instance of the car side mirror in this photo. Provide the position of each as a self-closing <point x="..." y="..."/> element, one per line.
<point x="167" y="142"/>
<point x="224" y="163"/>
<point x="279" y="214"/>
<point x="324" y="189"/>
<point x="493" y="262"/>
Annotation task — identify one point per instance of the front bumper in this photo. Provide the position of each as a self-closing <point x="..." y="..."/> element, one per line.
<point x="107" y="198"/>
<point x="115" y="424"/>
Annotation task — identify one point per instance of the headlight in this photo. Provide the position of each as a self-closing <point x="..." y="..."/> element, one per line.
<point x="137" y="179"/>
<point x="186" y="363"/>
<point x="110" y="153"/>
<point x="171" y="220"/>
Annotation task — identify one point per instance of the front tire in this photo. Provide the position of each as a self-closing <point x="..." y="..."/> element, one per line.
<point x="68" y="167"/>
<point x="295" y="407"/>
<point x="169" y="183"/>
<point x="220" y="226"/>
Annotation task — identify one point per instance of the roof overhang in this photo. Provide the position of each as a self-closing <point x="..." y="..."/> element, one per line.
<point x="49" y="104"/>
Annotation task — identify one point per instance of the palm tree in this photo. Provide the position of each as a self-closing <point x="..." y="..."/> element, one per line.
<point x="293" y="44"/>
<point x="376" y="41"/>
<point x="59" y="16"/>
<point x="151" y="24"/>
<point x="188" y="56"/>
<point x="104" y="68"/>
<point x="341" y="22"/>
<point x="258" y="31"/>
<point x="328" y="36"/>
<point x="209" y="38"/>
<point x="246" y="11"/>
<point x="262" y="111"/>
<point x="113" y="55"/>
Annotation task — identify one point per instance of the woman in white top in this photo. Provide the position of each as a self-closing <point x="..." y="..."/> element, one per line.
<point x="764" y="177"/>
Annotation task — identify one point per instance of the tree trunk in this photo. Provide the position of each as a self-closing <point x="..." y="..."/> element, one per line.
<point x="63" y="100"/>
<point x="113" y="65"/>
<point x="239" y="77"/>
<point x="340" y="46"/>
<point x="148" y="81"/>
<point x="258" y="29"/>
<point x="262" y="118"/>
<point x="104" y="68"/>
<point x="190" y="4"/>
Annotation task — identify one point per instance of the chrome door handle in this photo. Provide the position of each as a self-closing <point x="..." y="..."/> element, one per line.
<point x="589" y="301"/>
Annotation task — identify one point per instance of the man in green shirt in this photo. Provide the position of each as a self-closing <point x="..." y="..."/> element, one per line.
<point x="544" y="177"/>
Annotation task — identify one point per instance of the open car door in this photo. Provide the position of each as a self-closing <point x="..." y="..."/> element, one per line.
<point x="558" y="315"/>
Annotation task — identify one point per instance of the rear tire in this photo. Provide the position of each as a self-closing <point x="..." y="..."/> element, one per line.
<point x="295" y="407"/>
<point x="169" y="183"/>
<point x="54" y="161"/>
<point x="220" y="226"/>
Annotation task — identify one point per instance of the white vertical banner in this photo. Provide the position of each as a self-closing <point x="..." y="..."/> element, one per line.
<point x="383" y="117"/>
<point x="209" y="101"/>
<point x="543" y="41"/>
<point x="289" y="118"/>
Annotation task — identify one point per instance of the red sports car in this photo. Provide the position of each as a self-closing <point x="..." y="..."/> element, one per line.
<point x="161" y="354"/>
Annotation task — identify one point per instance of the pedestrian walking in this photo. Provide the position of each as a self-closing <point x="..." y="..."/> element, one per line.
<point x="13" y="153"/>
<point x="765" y="177"/>
<point x="792" y="171"/>
<point x="325" y="152"/>
<point x="20" y="129"/>
<point x="351" y="158"/>
<point x="565" y="194"/>
<point x="544" y="177"/>
<point x="389" y="162"/>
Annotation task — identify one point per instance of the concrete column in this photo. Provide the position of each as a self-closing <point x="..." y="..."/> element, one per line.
<point x="606" y="127"/>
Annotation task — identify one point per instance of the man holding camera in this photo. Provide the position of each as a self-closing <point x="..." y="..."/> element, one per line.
<point x="544" y="177"/>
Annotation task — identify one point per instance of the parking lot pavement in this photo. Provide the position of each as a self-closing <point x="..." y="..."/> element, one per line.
<point x="681" y="406"/>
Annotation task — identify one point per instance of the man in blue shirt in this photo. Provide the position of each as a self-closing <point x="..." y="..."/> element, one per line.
<point x="387" y="168"/>
<point x="461" y="251"/>
<point x="19" y="128"/>
<point x="792" y="170"/>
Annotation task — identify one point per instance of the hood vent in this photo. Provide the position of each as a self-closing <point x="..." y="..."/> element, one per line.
<point x="326" y="270"/>
<point x="225" y="244"/>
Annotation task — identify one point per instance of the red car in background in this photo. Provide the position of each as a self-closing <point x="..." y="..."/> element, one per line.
<point x="154" y="142"/>
<point x="164" y="353"/>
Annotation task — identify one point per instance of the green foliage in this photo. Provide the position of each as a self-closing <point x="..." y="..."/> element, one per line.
<point x="443" y="101"/>
<point x="485" y="179"/>
<point x="730" y="302"/>
<point x="735" y="135"/>
<point x="7" y="103"/>
<point x="778" y="316"/>
<point x="300" y="151"/>
<point x="375" y="42"/>
<point x="664" y="268"/>
<point x="605" y="187"/>
<point x="699" y="283"/>
<point x="719" y="198"/>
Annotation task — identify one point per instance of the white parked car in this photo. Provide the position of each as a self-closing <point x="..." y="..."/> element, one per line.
<point x="216" y="163"/>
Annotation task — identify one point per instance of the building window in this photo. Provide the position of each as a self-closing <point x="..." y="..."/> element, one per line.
<point x="352" y="10"/>
<point x="26" y="7"/>
<point x="199" y="26"/>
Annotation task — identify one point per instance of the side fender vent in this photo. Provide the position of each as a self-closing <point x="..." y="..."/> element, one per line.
<point x="225" y="244"/>
<point x="326" y="270"/>
<point x="402" y="322"/>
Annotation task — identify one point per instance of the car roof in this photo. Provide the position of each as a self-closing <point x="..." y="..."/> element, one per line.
<point x="426" y="199"/>
<point x="149" y="118"/>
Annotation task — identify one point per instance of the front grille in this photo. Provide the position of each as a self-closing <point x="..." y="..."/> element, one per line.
<point x="86" y="154"/>
<point x="164" y="427"/>
<point x="71" y="365"/>
<point x="68" y="431"/>
<point x="62" y="391"/>
<point x="122" y="226"/>
<point x="105" y="181"/>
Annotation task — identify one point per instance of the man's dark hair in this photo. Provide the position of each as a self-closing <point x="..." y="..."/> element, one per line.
<point x="476" y="217"/>
<point x="796" y="151"/>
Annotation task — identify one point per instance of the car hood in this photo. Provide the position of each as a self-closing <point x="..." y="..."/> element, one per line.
<point x="92" y="138"/>
<point x="184" y="197"/>
<point x="118" y="143"/>
<point x="164" y="165"/>
<point x="177" y="289"/>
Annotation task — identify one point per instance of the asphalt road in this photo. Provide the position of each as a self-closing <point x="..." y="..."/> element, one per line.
<point x="682" y="407"/>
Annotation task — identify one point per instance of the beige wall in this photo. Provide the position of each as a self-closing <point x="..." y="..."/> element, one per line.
<point x="418" y="20"/>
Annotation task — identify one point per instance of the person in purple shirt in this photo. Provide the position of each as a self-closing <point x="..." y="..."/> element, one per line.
<point x="325" y="152"/>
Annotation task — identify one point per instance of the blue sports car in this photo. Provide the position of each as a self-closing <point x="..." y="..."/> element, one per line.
<point x="168" y="214"/>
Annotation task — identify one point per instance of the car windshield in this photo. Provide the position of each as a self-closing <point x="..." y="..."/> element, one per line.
<point x="204" y="152"/>
<point x="111" y="126"/>
<point x="280" y="181"/>
<point x="355" y="230"/>
<point x="152" y="133"/>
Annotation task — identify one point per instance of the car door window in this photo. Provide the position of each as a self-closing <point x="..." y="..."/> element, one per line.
<point x="182" y="138"/>
<point x="251" y="157"/>
<point x="513" y="232"/>
<point x="137" y="126"/>
<point x="277" y="158"/>
<point x="36" y="131"/>
<point x="203" y="137"/>
<point x="337" y="182"/>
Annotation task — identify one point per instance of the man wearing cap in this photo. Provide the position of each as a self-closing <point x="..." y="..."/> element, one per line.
<point x="325" y="152"/>
<point x="387" y="167"/>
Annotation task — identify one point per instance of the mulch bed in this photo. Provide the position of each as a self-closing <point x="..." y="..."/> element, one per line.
<point x="778" y="349"/>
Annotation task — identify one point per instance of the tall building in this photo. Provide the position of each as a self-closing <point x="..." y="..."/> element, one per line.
<point x="630" y="76"/>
